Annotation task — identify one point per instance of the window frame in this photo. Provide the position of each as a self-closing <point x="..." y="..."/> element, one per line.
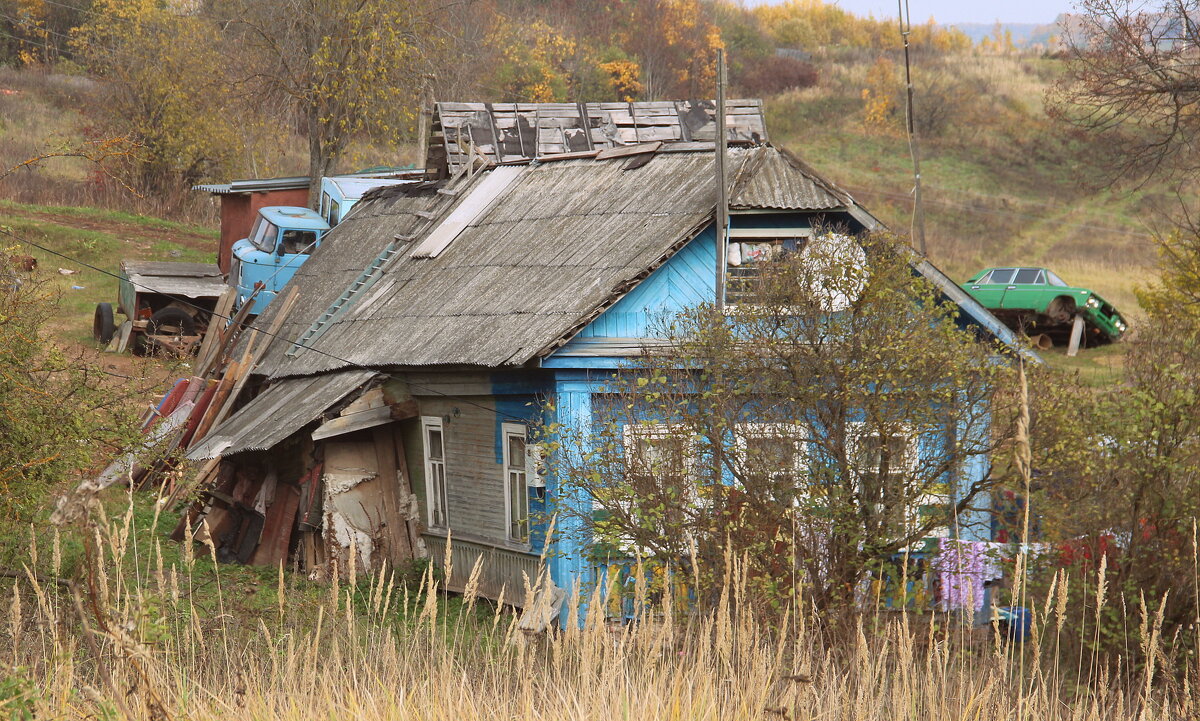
<point x="259" y="232"/>
<point x="509" y="468"/>
<point x="912" y="511"/>
<point x="435" y="498"/>
<point x="803" y="458"/>
<point x="775" y="236"/>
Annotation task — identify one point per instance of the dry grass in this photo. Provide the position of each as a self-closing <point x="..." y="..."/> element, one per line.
<point x="373" y="649"/>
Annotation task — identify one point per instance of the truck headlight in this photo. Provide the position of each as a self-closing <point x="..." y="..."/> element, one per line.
<point x="1093" y="303"/>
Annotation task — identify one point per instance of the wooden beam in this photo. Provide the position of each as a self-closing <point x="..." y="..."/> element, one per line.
<point x="1076" y="336"/>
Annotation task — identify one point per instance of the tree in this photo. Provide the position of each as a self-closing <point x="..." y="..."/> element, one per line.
<point x="59" y="412"/>
<point x="343" y="67"/>
<point x="163" y="90"/>
<point x="815" y="431"/>
<point x="1133" y="80"/>
<point x="1118" y="474"/>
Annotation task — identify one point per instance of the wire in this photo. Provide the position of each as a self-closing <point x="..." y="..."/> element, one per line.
<point x="465" y="401"/>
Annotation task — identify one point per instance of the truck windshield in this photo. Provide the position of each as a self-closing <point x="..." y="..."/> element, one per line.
<point x="263" y="235"/>
<point x="299" y="241"/>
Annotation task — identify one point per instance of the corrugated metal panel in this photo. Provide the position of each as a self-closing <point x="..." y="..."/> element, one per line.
<point x="772" y="179"/>
<point x="277" y="413"/>
<point x="564" y="242"/>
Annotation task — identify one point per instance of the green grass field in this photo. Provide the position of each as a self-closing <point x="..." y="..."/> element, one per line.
<point x="99" y="238"/>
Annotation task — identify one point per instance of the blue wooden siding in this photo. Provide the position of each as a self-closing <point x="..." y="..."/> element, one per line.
<point x="686" y="280"/>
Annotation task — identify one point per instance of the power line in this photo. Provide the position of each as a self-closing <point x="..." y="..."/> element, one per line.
<point x="465" y="401"/>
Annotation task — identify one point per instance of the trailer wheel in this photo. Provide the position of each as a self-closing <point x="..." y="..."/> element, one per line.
<point x="103" y="325"/>
<point x="171" y="321"/>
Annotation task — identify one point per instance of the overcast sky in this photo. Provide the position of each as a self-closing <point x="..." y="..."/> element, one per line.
<point x="964" y="11"/>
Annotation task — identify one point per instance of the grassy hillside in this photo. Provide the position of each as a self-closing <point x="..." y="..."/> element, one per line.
<point x="1003" y="184"/>
<point x="101" y="238"/>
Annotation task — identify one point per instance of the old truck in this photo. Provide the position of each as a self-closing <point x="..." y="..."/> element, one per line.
<point x="168" y="305"/>
<point x="279" y="242"/>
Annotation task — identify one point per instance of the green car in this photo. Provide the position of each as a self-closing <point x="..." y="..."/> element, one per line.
<point x="1035" y="300"/>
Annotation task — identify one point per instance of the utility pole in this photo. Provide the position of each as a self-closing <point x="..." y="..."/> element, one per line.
<point x="722" y="215"/>
<point x="918" y="221"/>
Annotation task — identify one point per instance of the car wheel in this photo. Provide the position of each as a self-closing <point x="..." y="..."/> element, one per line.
<point x="1061" y="309"/>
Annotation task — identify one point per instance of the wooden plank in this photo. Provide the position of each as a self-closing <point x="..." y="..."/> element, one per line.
<point x="277" y="528"/>
<point x="1076" y="336"/>
<point x="222" y="393"/>
<point x="399" y="547"/>
<point x="625" y="150"/>
<point x="356" y="421"/>
<point x="215" y="331"/>
<point x="404" y="495"/>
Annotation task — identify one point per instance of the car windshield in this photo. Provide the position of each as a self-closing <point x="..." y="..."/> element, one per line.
<point x="999" y="275"/>
<point x="1027" y="276"/>
<point x="299" y="241"/>
<point x="263" y="235"/>
<point x="1055" y="280"/>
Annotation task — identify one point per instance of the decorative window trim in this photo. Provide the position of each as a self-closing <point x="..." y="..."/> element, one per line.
<point x="912" y="510"/>
<point x="437" y="495"/>
<point x="526" y="468"/>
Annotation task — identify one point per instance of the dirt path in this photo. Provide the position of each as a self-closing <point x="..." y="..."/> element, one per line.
<point x="129" y="231"/>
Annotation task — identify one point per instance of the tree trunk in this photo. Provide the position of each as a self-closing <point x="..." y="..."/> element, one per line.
<point x="321" y="158"/>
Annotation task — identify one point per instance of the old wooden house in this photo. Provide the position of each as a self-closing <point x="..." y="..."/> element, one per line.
<point x="394" y="410"/>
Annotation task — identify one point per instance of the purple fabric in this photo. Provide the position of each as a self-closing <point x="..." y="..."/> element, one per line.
<point x="963" y="567"/>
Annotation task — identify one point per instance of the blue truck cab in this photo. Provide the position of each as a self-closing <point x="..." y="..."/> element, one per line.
<point x="280" y="240"/>
<point x="339" y="193"/>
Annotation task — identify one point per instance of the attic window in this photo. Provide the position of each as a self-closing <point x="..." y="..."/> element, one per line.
<point x="749" y="249"/>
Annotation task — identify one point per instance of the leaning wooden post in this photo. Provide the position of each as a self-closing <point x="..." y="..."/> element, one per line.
<point x="1076" y="336"/>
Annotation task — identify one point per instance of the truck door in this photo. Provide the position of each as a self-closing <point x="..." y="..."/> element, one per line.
<point x="293" y="249"/>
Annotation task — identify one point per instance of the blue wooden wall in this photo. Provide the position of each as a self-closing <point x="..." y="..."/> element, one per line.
<point x="684" y="281"/>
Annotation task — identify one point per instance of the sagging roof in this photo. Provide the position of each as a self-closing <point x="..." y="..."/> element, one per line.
<point x="278" y="412"/>
<point x="562" y="242"/>
<point x="532" y="253"/>
<point x="506" y="132"/>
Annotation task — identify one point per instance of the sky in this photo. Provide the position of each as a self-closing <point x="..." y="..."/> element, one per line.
<point x="964" y="11"/>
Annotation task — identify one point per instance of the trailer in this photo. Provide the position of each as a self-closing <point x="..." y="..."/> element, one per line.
<point x="167" y="306"/>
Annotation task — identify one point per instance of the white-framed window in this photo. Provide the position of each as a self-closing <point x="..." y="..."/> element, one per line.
<point x="434" y="438"/>
<point x="660" y="453"/>
<point x="775" y="455"/>
<point x="885" y="462"/>
<point x="517" y="471"/>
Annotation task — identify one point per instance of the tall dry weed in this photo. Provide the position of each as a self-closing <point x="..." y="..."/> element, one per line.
<point x="148" y="647"/>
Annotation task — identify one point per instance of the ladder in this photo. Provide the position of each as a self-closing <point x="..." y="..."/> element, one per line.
<point x="364" y="281"/>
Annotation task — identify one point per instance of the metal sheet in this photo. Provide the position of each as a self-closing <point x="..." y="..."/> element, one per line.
<point x="278" y="412"/>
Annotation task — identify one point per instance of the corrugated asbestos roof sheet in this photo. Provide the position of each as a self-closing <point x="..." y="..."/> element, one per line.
<point x="278" y="412"/>
<point x="562" y="243"/>
<point x="775" y="179"/>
